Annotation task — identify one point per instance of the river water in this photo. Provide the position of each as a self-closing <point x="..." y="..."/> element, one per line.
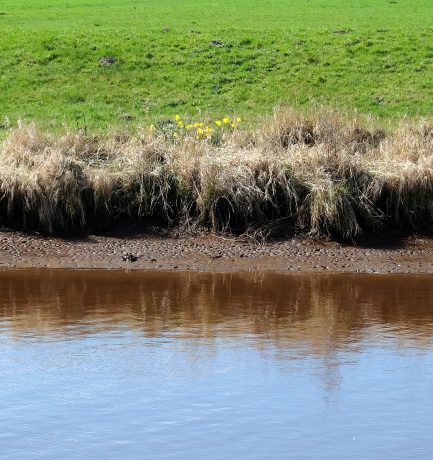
<point x="118" y="365"/>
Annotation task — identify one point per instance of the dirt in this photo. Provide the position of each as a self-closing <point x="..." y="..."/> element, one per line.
<point x="212" y="253"/>
<point x="108" y="60"/>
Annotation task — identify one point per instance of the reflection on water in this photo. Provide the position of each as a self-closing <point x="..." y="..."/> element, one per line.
<point x="111" y="364"/>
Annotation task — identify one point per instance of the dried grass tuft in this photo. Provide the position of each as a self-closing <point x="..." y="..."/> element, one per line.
<point x="321" y="173"/>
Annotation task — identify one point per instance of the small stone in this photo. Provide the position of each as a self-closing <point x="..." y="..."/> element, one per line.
<point x="129" y="257"/>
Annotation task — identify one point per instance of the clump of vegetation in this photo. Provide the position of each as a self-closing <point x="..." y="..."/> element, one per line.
<point x="213" y="132"/>
<point x="323" y="173"/>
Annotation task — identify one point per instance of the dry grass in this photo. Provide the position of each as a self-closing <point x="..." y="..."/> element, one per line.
<point x="320" y="173"/>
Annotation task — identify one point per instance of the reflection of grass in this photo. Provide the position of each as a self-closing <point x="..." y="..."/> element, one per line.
<point x="321" y="312"/>
<point x="242" y="57"/>
<point x="319" y="173"/>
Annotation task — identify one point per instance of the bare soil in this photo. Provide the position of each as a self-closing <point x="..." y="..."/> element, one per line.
<point x="213" y="253"/>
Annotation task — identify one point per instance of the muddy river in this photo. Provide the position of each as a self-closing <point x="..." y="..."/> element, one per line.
<point x="116" y="365"/>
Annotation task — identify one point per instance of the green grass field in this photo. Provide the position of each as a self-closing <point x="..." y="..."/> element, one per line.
<point x="211" y="58"/>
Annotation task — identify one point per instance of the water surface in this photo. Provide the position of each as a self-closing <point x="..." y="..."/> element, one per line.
<point x="249" y="366"/>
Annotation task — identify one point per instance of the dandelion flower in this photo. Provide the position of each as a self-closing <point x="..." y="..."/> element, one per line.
<point x="226" y="120"/>
<point x="218" y="122"/>
<point x="200" y="131"/>
<point x="233" y="125"/>
<point x="177" y="117"/>
<point x="181" y="124"/>
<point x="189" y="126"/>
<point x="238" y="119"/>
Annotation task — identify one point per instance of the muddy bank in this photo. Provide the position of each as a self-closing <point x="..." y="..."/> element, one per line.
<point x="144" y="251"/>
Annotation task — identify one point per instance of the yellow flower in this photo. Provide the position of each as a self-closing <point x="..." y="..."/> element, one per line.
<point x="200" y="131"/>
<point x="189" y="126"/>
<point x="177" y="117"/>
<point x="226" y="120"/>
<point x="238" y="119"/>
<point x="218" y="123"/>
<point x="181" y="124"/>
<point x="233" y="125"/>
<point x="209" y="131"/>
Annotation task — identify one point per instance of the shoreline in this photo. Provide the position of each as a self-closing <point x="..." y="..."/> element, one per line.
<point x="322" y="174"/>
<point x="213" y="253"/>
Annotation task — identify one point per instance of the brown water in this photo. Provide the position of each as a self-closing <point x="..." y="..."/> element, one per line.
<point x="117" y="365"/>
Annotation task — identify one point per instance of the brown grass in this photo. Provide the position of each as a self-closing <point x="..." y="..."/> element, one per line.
<point x="321" y="173"/>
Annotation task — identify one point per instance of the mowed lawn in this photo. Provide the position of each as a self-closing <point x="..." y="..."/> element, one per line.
<point x="211" y="58"/>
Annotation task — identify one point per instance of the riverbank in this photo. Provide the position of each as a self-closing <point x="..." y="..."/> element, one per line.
<point x="319" y="174"/>
<point x="210" y="253"/>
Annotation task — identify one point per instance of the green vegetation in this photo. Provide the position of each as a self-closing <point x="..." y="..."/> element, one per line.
<point x="193" y="57"/>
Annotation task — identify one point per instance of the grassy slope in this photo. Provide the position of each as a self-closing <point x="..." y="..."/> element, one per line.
<point x="274" y="51"/>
